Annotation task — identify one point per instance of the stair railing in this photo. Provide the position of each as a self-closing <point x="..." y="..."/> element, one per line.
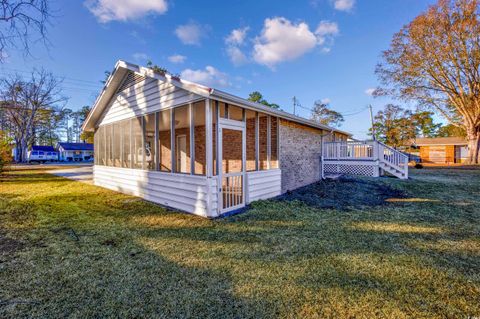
<point x="393" y="158"/>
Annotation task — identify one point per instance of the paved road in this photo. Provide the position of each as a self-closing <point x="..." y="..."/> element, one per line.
<point x="82" y="174"/>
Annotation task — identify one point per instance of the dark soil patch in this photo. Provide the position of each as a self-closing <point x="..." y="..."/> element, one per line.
<point x="9" y="245"/>
<point x="344" y="193"/>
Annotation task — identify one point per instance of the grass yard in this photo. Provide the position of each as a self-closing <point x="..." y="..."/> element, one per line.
<point x="365" y="248"/>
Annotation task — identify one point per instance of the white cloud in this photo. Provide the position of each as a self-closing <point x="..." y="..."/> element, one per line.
<point x="326" y="30"/>
<point x="177" y="58"/>
<point x="236" y="55"/>
<point x="234" y="41"/>
<point x="237" y="36"/>
<point x="369" y="91"/>
<point x="210" y="77"/>
<point x="123" y="10"/>
<point x="281" y="40"/>
<point x="191" y="33"/>
<point x="139" y="56"/>
<point x="343" y="5"/>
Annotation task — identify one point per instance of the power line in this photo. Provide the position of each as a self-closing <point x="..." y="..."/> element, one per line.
<point x="58" y="77"/>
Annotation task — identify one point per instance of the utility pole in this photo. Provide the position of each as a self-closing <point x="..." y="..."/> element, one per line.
<point x="294" y="104"/>
<point x="371" y="119"/>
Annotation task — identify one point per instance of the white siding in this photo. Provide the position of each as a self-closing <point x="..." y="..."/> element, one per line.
<point x="145" y="97"/>
<point x="188" y="193"/>
<point x="263" y="184"/>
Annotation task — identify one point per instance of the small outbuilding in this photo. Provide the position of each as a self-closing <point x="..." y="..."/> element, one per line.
<point x="195" y="148"/>
<point x="75" y="152"/>
<point x="442" y="150"/>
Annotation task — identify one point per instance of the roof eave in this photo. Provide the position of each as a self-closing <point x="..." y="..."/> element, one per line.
<point x="282" y="114"/>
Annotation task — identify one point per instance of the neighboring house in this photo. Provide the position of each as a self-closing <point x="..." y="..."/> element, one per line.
<point x="444" y="150"/>
<point x="195" y="148"/>
<point x="42" y="154"/>
<point x="75" y="152"/>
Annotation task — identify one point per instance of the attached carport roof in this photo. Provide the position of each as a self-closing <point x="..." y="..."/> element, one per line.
<point x="122" y="68"/>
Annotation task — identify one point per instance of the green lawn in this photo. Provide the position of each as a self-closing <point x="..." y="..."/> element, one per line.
<point x="373" y="248"/>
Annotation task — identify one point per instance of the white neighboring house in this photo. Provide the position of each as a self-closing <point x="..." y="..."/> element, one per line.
<point x="75" y="152"/>
<point x="42" y="154"/>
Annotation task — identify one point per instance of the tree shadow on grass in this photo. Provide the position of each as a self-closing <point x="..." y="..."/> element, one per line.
<point x="108" y="274"/>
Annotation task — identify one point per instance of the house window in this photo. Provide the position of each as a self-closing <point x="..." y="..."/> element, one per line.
<point x="200" y="141"/>
<point x="137" y="143"/>
<point x="164" y="140"/>
<point x="149" y="143"/>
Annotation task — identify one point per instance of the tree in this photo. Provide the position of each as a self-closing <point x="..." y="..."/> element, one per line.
<point x="20" y="20"/>
<point x="257" y="97"/>
<point x="25" y="102"/>
<point x="322" y="114"/>
<point x="424" y="125"/>
<point x="435" y="61"/>
<point x="393" y="125"/>
<point x="86" y="137"/>
<point x="451" y="130"/>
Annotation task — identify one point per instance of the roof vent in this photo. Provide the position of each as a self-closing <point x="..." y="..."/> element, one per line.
<point x="130" y="80"/>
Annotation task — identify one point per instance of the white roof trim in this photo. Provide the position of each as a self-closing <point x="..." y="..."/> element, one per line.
<point x="103" y="99"/>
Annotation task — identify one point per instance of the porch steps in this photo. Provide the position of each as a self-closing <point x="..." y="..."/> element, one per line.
<point x="392" y="170"/>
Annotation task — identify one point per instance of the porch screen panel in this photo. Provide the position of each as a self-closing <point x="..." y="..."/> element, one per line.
<point x="273" y="142"/>
<point x="200" y="142"/>
<point x="149" y="143"/>
<point x="164" y="137"/>
<point x="251" y="131"/>
<point x="235" y="113"/>
<point x="214" y="136"/>
<point x="108" y="145"/>
<point x="116" y="144"/>
<point x="95" y="147"/>
<point x="101" y="146"/>
<point x="137" y="141"/>
<point x="182" y="139"/>
<point x="263" y="142"/>
<point x="127" y="149"/>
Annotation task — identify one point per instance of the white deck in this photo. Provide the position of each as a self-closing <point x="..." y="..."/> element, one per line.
<point x="369" y="158"/>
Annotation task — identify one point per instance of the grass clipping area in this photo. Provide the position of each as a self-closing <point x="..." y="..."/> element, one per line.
<point x="72" y="249"/>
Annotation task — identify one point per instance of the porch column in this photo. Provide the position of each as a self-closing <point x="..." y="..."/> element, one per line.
<point x="208" y="138"/>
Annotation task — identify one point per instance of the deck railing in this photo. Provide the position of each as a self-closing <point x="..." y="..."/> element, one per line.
<point x="366" y="151"/>
<point x="349" y="150"/>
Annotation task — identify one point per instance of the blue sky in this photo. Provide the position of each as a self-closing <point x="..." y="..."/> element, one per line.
<point x="312" y="49"/>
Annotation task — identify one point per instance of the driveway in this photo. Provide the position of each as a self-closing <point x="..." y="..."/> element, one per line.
<point x="82" y="174"/>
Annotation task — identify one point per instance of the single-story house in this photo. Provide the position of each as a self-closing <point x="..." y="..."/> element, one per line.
<point x="75" y="152"/>
<point x="42" y="153"/>
<point x="444" y="150"/>
<point x="195" y="148"/>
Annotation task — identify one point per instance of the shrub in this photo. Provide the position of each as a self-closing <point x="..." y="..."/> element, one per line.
<point x="418" y="166"/>
<point x="5" y="151"/>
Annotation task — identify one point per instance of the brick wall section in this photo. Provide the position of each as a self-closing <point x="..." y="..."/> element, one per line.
<point x="300" y="151"/>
